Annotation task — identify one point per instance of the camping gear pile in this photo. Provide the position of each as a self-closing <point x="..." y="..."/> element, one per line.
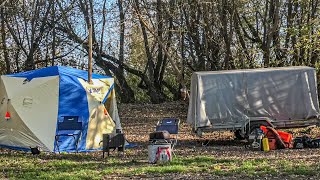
<point x="161" y="144"/>
<point x="267" y="138"/>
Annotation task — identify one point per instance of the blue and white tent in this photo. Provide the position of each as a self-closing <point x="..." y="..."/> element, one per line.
<point x="34" y="102"/>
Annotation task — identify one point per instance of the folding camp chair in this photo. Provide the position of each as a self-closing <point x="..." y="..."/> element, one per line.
<point x="172" y="126"/>
<point x="69" y="127"/>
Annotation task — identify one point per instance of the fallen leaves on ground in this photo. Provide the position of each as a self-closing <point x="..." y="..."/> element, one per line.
<point x="138" y="120"/>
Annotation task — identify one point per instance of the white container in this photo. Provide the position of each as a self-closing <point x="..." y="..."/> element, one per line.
<point x="158" y="153"/>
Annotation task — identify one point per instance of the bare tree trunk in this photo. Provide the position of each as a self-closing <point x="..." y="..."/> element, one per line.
<point x="17" y="60"/>
<point x="289" y="23"/>
<point x="226" y="33"/>
<point x="53" y="34"/>
<point x="192" y="18"/>
<point x="268" y="33"/>
<point x="241" y="39"/>
<point x="4" y="43"/>
<point x="294" y="37"/>
<point x="276" y="34"/>
<point x="160" y="57"/>
<point x="154" y="93"/>
<point x="314" y="51"/>
<point x="302" y="48"/>
<point x="126" y="93"/>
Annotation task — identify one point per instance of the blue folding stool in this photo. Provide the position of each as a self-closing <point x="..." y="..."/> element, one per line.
<point x="172" y="126"/>
<point x="69" y="127"/>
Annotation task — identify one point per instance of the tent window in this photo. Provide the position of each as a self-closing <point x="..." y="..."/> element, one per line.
<point x="27" y="101"/>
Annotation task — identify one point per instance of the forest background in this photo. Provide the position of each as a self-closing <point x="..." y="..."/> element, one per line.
<point x="152" y="47"/>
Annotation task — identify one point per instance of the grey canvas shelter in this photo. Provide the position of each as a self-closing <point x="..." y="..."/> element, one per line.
<point x="230" y="99"/>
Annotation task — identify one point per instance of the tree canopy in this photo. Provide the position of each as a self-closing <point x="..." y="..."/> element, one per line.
<point x="152" y="47"/>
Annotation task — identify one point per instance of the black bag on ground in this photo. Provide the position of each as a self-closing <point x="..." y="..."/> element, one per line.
<point x="315" y="143"/>
<point x="159" y="135"/>
<point x="298" y="143"/>
<point x="307" y="141"/>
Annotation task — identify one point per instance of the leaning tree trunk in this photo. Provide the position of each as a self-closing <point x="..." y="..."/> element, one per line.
<point x="126" y="93"/>
<point x="156" y="96"/>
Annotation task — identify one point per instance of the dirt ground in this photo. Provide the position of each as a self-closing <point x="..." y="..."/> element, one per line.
<point x="138" y="120"/>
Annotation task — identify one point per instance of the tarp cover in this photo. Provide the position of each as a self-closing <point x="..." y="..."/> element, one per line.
<point x="228" y="97"/>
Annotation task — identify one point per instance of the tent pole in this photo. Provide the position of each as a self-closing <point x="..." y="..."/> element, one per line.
<point x="90" y="55"/>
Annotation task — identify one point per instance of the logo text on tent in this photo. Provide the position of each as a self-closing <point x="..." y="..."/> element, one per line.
<point x="94" y="90"/>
